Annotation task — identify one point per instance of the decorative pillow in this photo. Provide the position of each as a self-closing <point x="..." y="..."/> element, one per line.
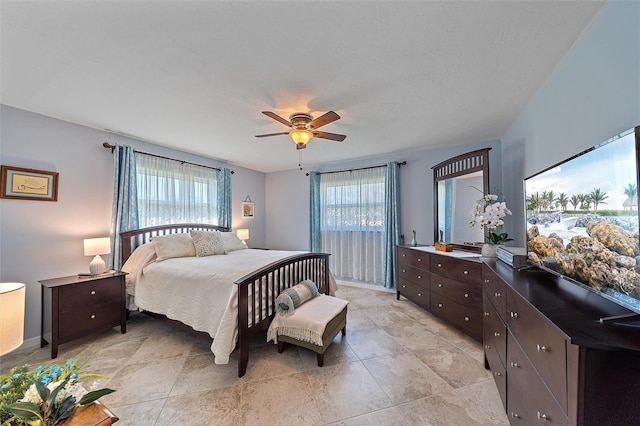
<point x="207" y="243"/>
<point x="231" y="242"/>
<point x="141" y="257"/>
<point x="173" y="245"/>
<point x="292" y="297"/>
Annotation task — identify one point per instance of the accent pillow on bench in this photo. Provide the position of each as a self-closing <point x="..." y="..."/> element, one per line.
<point x="292" y="297"/>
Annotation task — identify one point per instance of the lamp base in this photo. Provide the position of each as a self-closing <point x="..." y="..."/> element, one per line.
<point x="97" y="265"/>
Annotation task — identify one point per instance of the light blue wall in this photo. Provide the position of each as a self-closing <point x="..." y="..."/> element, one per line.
<point x="40" y="240"/>
<point x="593" y="95"/>
<point x="287" y="194"/>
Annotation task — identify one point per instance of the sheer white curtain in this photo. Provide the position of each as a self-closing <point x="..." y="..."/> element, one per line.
<point x="352" y="216"/>
<point x="170" y="191"/>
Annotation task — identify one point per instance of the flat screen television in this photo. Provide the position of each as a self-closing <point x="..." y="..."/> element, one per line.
<point x="582" y="219"/>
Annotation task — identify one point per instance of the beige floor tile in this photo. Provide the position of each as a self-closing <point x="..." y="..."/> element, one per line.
<point x="141" y="414"/>
<point x="199" y="373"/>
<point x="215" y="407"/>
<point x="386" y="416"/>
<point x="372" y="342"/>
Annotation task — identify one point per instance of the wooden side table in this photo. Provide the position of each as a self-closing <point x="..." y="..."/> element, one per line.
<point x="83" y="304"/>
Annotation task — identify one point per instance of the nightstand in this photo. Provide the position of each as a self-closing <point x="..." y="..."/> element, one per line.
<point x="83" y="304"/>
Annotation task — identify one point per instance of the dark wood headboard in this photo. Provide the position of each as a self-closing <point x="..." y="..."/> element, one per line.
<point x="137" y="237"/>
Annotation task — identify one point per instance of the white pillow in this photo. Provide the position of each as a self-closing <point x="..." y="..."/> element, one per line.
<point x="141" y="257"/>
<point x="207" y="243"/>
<point x="231" y="242"/>
<point x="173" y="245"/>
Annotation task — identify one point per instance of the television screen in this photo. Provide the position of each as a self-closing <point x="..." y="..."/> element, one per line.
<point x="582" y="219"/>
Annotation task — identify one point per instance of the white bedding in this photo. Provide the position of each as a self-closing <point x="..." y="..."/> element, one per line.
<point x="199" y="291"/>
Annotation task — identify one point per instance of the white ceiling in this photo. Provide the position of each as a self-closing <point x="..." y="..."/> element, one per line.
<point x="195" y="75"/>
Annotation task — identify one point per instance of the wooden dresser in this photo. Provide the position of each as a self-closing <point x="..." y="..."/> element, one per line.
<point x="450" y="287"/>
<point x="552" y="360"/>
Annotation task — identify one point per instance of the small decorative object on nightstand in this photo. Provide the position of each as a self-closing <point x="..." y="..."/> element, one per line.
<point x="243" y="234"/>
<point x="96" y="247"/>
<point x="81" y="305"/>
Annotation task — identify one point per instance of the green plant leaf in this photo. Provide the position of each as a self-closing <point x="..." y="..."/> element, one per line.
<point x="93" y="395"/>
<point x="24" y="410"/>
<point x="42" y="389"/>
<point x="65" y="409"/>
<point x="52" y="397"/>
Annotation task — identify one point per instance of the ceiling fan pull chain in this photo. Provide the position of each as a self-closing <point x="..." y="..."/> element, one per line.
<point x="300" y="159"/>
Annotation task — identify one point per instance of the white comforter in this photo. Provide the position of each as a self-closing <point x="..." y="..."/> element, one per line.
<point x="199" y="291"/>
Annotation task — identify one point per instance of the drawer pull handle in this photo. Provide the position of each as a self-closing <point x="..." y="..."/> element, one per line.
<point x="515" y="415"/>
<point x="486" y="281"/>
<point x="487" y="346"/>
<point x="515" y="365"/>
<point x="542" y="348"/>
<point x="486" y="314"/>
<point x="419" y="260"/>
<point x="404" y="286"/>
<point x="466" y="318"/>
<point x="497" y="294"/>
<point x="496" y="334"/>
<point x="419" y="276"/>
<point x="93" y="316"/>
<point x="439" y="265"/>
<point x="404" y="255"/>
<point x="497" y="373"/>
<point x="466" y="272"/>
<point x="404" y="270"/>
<point x="514" y="314"/>
<point x="543" y="417"/>
<point x="419" y="294"/>
<point x="466" y="295"/>
<point x="93" y="292"/>
<point x="439" y="305"/>
<point x="440" y="285"/>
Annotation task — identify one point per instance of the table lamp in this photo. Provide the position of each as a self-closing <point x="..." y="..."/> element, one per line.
<point x="243" y="234"/>
<point x="96" y="247"/>
<point x="11" y="316"/>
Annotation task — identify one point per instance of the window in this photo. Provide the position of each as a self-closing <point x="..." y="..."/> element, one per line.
<point x="170" y="191"/>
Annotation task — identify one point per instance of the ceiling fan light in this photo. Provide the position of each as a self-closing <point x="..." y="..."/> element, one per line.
<point x="300" y="136"/>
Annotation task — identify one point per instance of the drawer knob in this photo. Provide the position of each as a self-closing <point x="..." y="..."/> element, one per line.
<point x="404" y="286"/>
<point x="93" y="316"/>
<point x="404" y="270"/>
<point x="93" y="292"/>
<point x="514" y="314"/>
<point x="419" y="294"/>
<point x="486" y="281"/>
<point x="497" y="294"/>
<point x="466" y="318"/>
<point x="497" y="334"/>
<point x="486" y="314"/>
<point x="497" y="373"/>
<point x="515" y="365"/>
<point x="543" y="417"/>
<point x="440" y="285"/>
<point x="439" y="265"/>
<point x="487" y="346"/>
<point x="466" y="295"/>
<point x="404" y="255"/>
<point x="419" y="260"/>
<point x="515" y="415"/>
<point x="439" y="305"/>
<point x="419" y="276"/>
<point x="542" y="348"/>
<point x="466" y="272"/>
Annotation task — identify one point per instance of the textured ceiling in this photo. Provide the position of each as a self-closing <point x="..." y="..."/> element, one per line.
<point x="195" y="75"/>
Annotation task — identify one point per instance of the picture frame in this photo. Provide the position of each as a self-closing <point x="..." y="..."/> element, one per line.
<point x="248" y="210"/>
<point x="28" y="184"/>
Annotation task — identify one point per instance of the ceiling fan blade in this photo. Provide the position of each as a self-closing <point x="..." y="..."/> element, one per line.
<point x="333" y="136"/>
<point x="325" y="118"/>
<point x="272" y="134"/>
<point x="277" y="118"/>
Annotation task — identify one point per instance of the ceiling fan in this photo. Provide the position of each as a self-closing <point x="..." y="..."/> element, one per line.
<point x="304" y="127"/>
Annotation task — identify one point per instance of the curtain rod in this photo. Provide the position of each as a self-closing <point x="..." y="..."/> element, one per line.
<point x="403" y="163"/>
<point x="113" y="147"/>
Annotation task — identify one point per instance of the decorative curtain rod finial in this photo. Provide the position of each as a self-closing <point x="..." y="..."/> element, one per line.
<point x="108" y="145"/>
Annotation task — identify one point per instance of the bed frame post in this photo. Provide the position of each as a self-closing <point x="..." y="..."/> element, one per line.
<point x="243" y="329"/>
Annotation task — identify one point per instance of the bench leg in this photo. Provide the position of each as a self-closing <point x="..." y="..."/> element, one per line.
<point x="320" y="360"/>
<point x="280" y="346"/>
<point x="344" y="330"/>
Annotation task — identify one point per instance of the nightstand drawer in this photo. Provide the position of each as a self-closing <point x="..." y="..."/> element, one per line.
<point x="415" y="275"/>
<point x="415" y="293"/>
<point x="464" y="317"/>
<point x="89" y="293"/>
<point x="416" y="258"/>
<point x="460" y="270"/>
<point x="464" y="293"/>
<point x="97" y="317"/>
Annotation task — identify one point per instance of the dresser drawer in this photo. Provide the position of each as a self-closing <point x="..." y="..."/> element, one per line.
<point x="498" y="372"/>
<point x="90" y="293"/>
<point x="495" y="332"/>
<point x="414" y="275"/>
<point x="528" y="399"/>
<point x="416" y="258"/>
<point x="457" y="269"/>
<point x="466" y="318"/>
<point x="78" y="322"/>
<point x="496" y="291"/>
<point x="417" y="294"/>
<point x="542" y="342"/>
<point x="469" y="294"/>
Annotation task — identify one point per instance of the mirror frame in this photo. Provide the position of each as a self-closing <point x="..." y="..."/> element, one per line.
<point x="460" y="165"/>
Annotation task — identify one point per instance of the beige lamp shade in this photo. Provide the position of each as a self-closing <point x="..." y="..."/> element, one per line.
<point x="96" y="247"/>
<point x="12" y="297"/>
<point x="243" y="234"/>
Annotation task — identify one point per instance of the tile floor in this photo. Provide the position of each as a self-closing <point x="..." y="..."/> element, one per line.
<point x="397" y="365"/>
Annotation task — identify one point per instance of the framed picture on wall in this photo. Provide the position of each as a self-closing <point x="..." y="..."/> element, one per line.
<point x="28" y="184"/>
<point x="247" y="210"/>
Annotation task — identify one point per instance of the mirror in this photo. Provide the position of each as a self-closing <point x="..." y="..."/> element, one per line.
<point x="457" y="185"/>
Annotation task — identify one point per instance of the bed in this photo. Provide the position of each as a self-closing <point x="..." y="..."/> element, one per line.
<point x="230" y="297"/>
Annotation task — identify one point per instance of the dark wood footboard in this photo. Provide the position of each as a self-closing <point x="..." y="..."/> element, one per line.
<point x="258" y="290"/>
